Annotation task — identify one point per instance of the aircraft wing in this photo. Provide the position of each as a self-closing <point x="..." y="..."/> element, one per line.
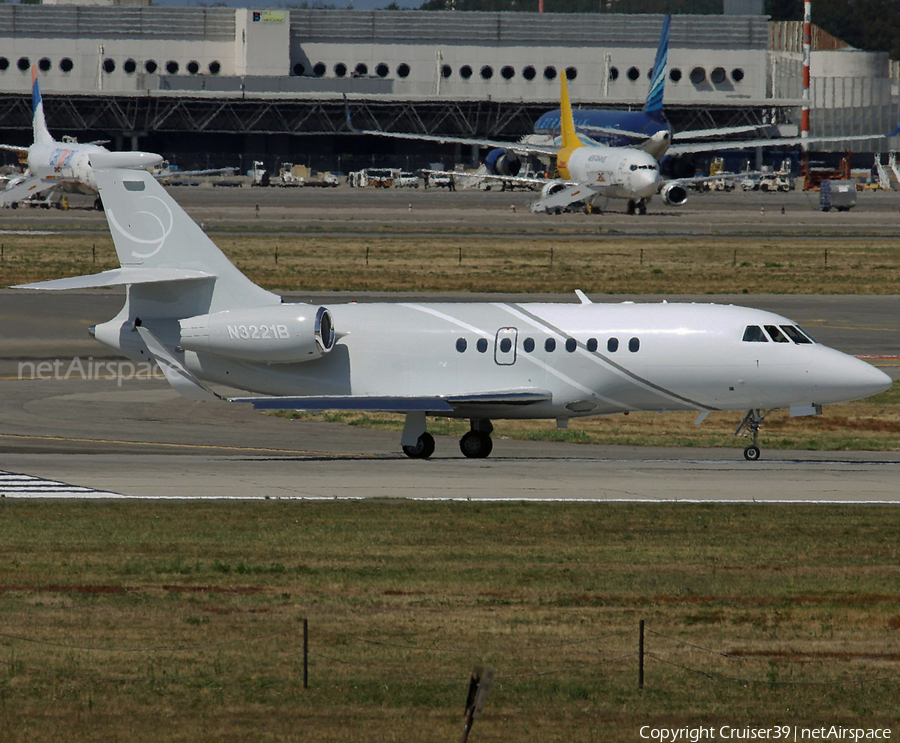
<point x="520" y="179"/>
<point x="25" y="189"/>
<point x="398" y="403"/>
<point x="683" y="149"/>
<point x="488" y="143"/>
<point x="14" y="148"/>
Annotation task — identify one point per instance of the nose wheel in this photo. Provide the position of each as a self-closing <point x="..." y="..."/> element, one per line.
<point x="750" y="426"/>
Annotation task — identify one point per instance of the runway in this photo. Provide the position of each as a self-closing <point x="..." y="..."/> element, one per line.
<point x="82" y="434"/>
<point x="100" y="437"/>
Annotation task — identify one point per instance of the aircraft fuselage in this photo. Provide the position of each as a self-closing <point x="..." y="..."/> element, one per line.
<point x="593" y="359"/>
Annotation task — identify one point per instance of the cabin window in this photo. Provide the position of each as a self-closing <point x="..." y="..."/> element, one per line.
<point x="45" y="64"/>
<point x="481" y="345"/>
<point x="634" y="345"/>
<point x="446" y="70"/>
<point x="550" y="73"/>
<point x="461" y="345"/>
<point x="4" y="64"/>
<point x="403" y="70"/>
<point x="633" y="73"/>
<point x="382" y="70"/>
<point x="130" y="66"/>
<point x="465" y="72"/>
<point x="571" y="345"/>
<point x="612" y="345"/>
<point x="592" y="344"/>
<point x="507" y="72"/>
<point x="172" y="67"/>
<point x="754" y="334"/>
<point x="571" y="73"/>
<point x="340" y="69"/>
<point x="776" y="335"/>
<point x="528" y="345"/>
<point x="528" y="73"/>
<point x="550" y="345"/>
<point x="794" y="334"/>
<point x="505" y="345"/>
<point x="150" y="66"/>
<point x="193" y="67"/>
<point x="215" y="68"/>
<point x="675" y="75"/>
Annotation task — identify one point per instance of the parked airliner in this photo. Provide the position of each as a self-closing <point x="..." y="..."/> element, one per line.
<point x="62" y="166"/>
<point x="194" y="313"/>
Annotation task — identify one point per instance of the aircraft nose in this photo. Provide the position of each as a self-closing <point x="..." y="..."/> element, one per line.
<point x="647" y="182"/>
<point x="855" y="379"/>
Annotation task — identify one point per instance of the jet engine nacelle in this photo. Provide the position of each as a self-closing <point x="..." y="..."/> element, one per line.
<point x="503" y="162"/>
<point x="551" y="188"/>
<point x="674" y="194"/>
<point x="287" y="334"/>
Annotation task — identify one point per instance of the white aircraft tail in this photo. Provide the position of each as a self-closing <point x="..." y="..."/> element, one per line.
<point x="153" y="235"/>
<point x="39" y="124"/>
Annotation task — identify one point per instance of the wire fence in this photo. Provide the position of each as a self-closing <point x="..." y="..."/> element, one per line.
<point x="331" y="649"/>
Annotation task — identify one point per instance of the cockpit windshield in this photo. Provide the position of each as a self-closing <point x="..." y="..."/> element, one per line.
<point x="778" y="334"/>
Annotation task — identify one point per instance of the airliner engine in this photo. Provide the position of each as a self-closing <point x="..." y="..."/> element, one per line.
<point x="674" y="194"/>
<point x="503" y="162"/>
<point x="287" y="334"/>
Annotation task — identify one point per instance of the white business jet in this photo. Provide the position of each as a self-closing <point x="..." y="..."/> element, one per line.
<point x="205" y="323"/>
<point x="62" y="166"/>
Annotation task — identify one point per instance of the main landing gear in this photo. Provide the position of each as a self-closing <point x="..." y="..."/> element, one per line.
<point x="750" y="426"/>
<point x="417" y="443"/>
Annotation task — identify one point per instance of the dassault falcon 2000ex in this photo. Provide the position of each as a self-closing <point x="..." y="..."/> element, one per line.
<point x="62" y="166"/>
<point x="205" y="323"/>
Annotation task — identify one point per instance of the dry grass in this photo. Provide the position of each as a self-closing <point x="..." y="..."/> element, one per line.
<point x="148" y="621"/>
<point x="526" y="264"/>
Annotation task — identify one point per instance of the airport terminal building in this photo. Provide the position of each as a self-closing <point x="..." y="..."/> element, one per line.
<point x="270" y="84"/>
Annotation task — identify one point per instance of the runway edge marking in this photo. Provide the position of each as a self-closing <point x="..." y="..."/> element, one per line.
<point x="15" y="485"/>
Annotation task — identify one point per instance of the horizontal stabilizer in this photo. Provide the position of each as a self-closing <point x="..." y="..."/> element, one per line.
<point x="119" y="277"/>
<point x="396" y="404"/>
<point x="25" y="189"/>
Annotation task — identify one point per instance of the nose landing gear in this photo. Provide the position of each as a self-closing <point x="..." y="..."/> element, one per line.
<point x="750" y="426"/>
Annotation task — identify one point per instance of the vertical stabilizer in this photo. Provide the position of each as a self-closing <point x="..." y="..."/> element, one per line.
<point x="150" y="230"/>
<point x="653" y="106"/>
<point x="39" y="124"/>
<point x="569" y="137"/>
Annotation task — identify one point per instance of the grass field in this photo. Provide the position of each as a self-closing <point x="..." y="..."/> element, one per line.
<point x="414" y="263"/>
<point x="182" y="622"/>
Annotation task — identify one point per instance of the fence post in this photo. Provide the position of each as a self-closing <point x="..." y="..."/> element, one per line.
<point x="641" y="655"/>
<point x="305" y="653"/>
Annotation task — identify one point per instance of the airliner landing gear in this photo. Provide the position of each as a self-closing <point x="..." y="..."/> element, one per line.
<point x="477" y="443"/>
<point x="750" y="426"/>
<point x="422" y="449"/>
<point x="416" y="442"/>
<point x="637" y="207"/>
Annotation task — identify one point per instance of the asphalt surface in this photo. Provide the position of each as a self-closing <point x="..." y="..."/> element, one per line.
<point x="96" y="435"/>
